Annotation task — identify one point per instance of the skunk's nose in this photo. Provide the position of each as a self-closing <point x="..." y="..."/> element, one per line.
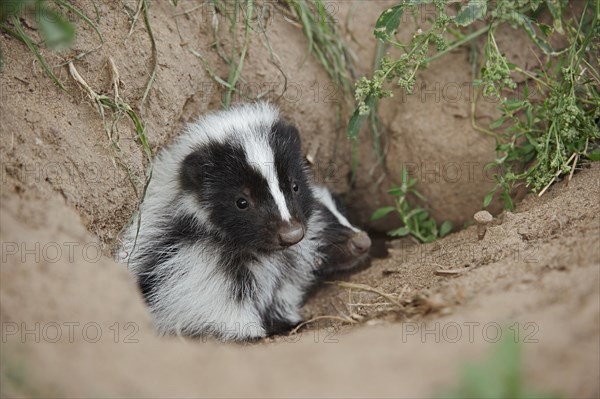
<point x="290" y="234"/>
<point x="360" y="243"/>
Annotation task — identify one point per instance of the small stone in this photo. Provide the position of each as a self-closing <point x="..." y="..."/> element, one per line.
<point x="482" y="218"/>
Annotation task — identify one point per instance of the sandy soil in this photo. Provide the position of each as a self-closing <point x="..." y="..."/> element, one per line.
<point x="73" y="323"/>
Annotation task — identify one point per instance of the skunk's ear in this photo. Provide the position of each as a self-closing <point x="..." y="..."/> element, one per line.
<point x="285" y="135"/>
<point x="191" y="173"/>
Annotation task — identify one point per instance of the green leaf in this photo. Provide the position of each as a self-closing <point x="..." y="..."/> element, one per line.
<point x="429" y="238"/>
<point x="355" y="123"/>
<point x="416" y="212"/>
<point x="20" y="34"/>
<point x="388" y="22"/>
<point x="476" y="9"/>
<point x="526" y="23"/>
<point x="396" y="191"/>
<point x="488" y="197"/>
<point x="54" y="27"/>
<point x="422" y="216"/>
<point x="594" y="155"/>
<point x="445" y="228"/>
<point x="381" y="212"/>
<point x="497" y="123"/>
<point x="489" y="166"/>
<point x="556" y="10"/>
<point x="399" y="232"/>
<point x="508" y="202"/>
<point x="512" y="105"/>
<point x="428" y="224"/>
<point x="357" y="120"/>
<point x="404" y="175"/>
<point x="546" y="30"/>
<point x="532" y="140"/>
<point x="529" y="114"/>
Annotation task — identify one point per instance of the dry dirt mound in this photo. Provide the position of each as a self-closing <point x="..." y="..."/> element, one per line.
<point x="75" y="327"/>
<point x="73" y="323"/>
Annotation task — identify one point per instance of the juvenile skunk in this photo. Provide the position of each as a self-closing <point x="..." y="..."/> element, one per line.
<point x="341" y="246"/>
<point x="225" y="244"/>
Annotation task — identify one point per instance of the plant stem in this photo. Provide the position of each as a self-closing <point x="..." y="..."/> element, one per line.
<point x="459" y="43"/>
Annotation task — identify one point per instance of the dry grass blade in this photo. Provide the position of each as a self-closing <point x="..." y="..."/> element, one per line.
<point x="558" y="173"/>
<point x="364" y="287"/>
<point x="337" y="318"/>
<point x="19" y="33"/>
<point x="449" y="272"/>
<point x="152" y="77"/>
<point x="116" y="80"/>
<point x="116" y="105"/>
<point x="138" y="11"/>
<point x="237" y="65"/>
<point x="143" y="8"/>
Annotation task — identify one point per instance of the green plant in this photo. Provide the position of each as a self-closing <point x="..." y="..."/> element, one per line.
<point x="540" y="140"/>
<point x="329" y="48"/>
<point x="537" y="141"/>
<point x="415" y="220"/>
<point x="500" y="375"/>
<point x="56" y="31"/>
<point x="232" y="11"/>
<point x="325" y="42"/>
<point x="144" y="8"/>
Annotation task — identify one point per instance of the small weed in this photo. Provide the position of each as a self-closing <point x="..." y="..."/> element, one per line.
<point x="498" y="376"/>
<point x="325" y="42"/>
<point x="541" y="140"/>
<point x="56" y="31"/>
<point x="54" y="28"/>
<point x="236" y="58"/>
<point x="143" y="8"/>
<point x="415" y="220"/>
<point x="118" y="107"/>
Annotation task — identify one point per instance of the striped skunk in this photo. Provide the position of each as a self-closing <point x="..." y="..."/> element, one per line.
<point x="341" y="246"/>
<point x="231" y="235"/>
<point x="224" y="243"/>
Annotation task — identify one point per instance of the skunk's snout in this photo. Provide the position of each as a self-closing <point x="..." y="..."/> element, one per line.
<point x="359" y="244"/>
<point x="290" y="233"/>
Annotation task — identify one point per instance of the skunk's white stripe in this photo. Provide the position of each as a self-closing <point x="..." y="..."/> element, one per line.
<point x="260" y="155"/>
<point x="324" y="196"/>
<point x="277" y="194"/>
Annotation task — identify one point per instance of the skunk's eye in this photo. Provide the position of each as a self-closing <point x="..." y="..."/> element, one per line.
<point x="295" y="186"/>
<point x="242" y="203"/>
